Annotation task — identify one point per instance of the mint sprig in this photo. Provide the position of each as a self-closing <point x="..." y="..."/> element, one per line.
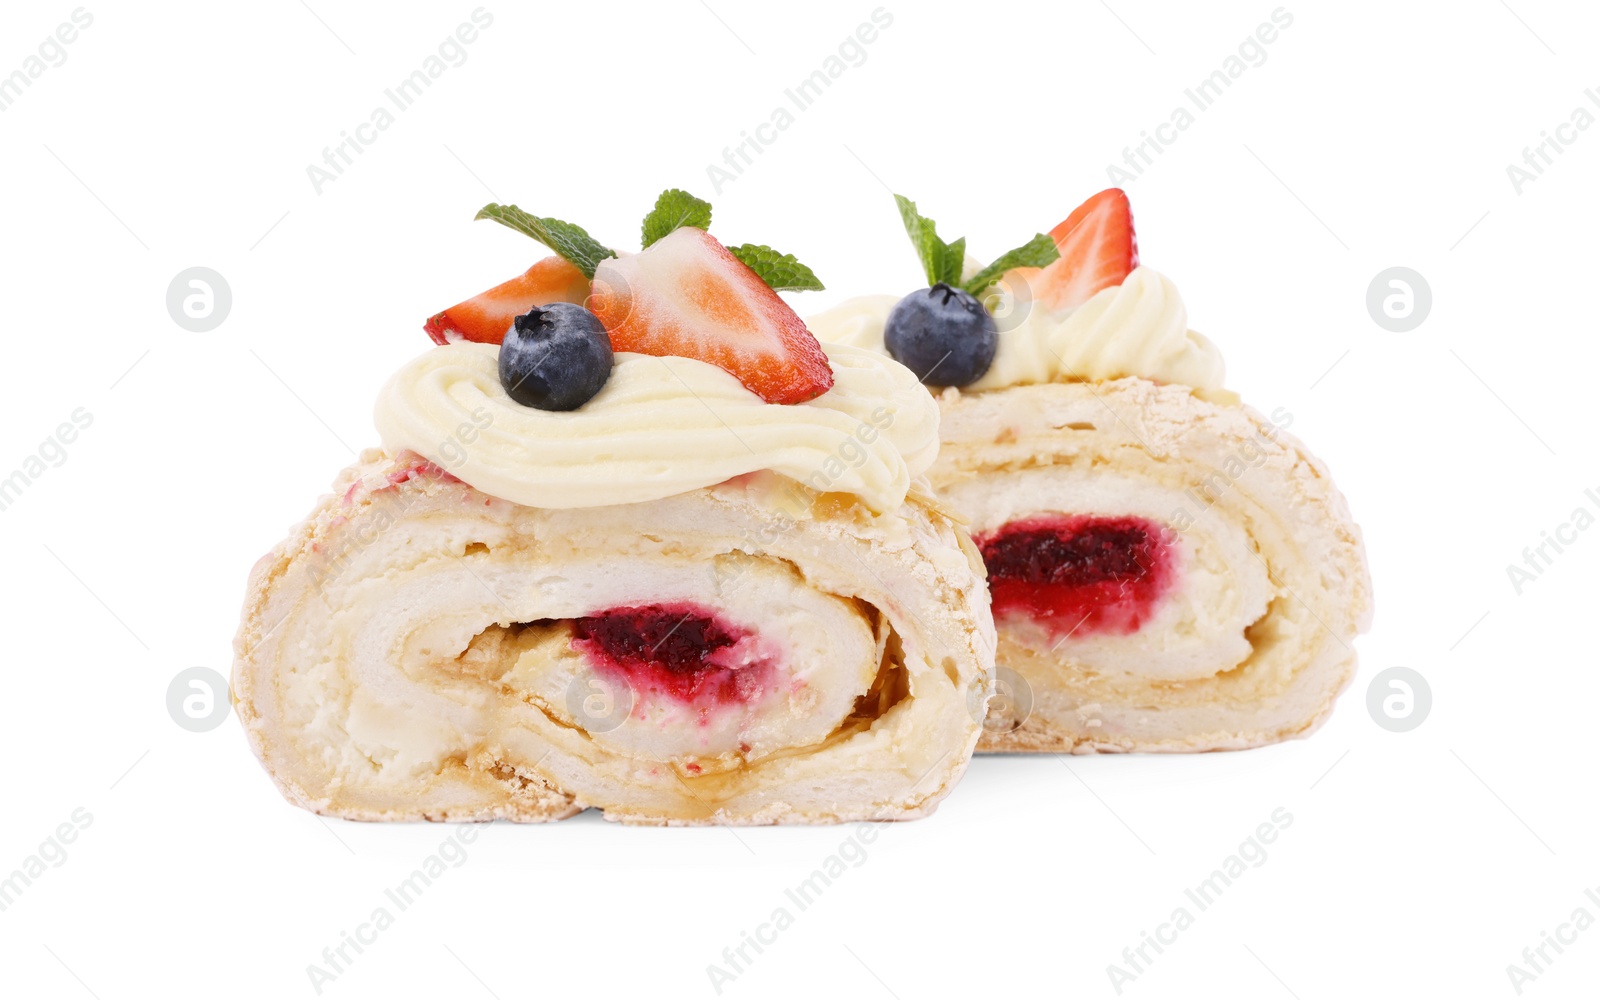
<point x="569" y="241"/>
<point x="677" y="208"/>
<point x="1037" y="252"/>
<point x="674" y="209"/>
<point x="942" y="262"/>
<point x="780" y="271"/>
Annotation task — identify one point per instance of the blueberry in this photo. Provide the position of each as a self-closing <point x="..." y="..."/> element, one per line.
<point x="943" y="334"/>
<point x="555" y="357"/>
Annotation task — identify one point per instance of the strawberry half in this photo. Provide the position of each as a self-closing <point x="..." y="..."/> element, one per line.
<point x="485" y="318"/>
<point x="1098" y="249"/>
<point x="686" y="295"/>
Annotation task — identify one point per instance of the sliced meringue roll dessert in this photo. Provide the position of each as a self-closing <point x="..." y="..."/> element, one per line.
<point x="634" y="541"/>
<point x="1170" y="570"/>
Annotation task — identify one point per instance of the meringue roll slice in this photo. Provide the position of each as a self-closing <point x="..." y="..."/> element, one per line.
<point x="1167" y="572"/>
<point x="678" y="604"/>
<point x="1170" y="570"/>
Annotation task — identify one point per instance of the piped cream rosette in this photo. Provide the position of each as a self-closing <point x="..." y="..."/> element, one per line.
<point x="1171" y="570"/>
<point x="680" y="605"/>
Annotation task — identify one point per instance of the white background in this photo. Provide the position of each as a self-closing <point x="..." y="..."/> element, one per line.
<point x="1375" y="134"/>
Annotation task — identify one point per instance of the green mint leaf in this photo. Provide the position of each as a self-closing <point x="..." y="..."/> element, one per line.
<point x="566" y="239"/>
<point x="955" y="259"/>
<point x="930" y="248"/>
<point x="1037" y="252"/>
<point x="940" y="261"/>
<point x="673" y="210"/>
<point x="779" y="270"/>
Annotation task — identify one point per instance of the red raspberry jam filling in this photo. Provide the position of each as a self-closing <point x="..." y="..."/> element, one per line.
<point x="1078" y="574"/>
<point x="681" y="651"/>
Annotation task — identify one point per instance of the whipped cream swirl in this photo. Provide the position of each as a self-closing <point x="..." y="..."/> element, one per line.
<point x="660" y="427"/>
<point x="1138" y="328"/>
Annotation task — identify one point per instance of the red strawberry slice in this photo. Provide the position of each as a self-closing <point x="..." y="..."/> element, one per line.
<point x="485" y="318"/>
<point x="1098" y="250"/>
<point x="686" y="295"/>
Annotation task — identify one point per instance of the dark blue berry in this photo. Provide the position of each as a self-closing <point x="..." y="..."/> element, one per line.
<point x="555" y="357"/>
<point x="942" y="334"/>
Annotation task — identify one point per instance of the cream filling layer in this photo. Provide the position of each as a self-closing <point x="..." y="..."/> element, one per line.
<point x="1198" y="628"/>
